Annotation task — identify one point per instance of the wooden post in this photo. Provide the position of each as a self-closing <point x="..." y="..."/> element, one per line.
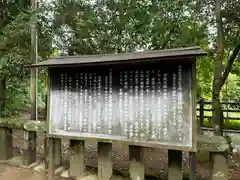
<point x="201" y="114"/>
<point x="34" y="59"/>
<point x="29" y="151"/>
<point x="192" y="165"/>
<point x="45" y="136"/>
<point x="175" y="165"/>
<point x="45" y="150"/>
<point x="51" y="157"/>
<point x="58" y="151"/>
<point x="136" y="163"/>
<point x="196" y="129"/>
<point x="5" y="133"/>
<point x="57" y="154"/>
<point x="6" y="150"/>
<point x="77" y="165"/>
<point x="104" y="161"/>
<point x="30" y="137"/>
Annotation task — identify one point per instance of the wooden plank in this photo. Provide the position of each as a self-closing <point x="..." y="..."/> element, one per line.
<point x="196" y="128"/>
<point x="104" y="161"/>
<point x="77" y="165"/>
<point x="6" y="149"/>
<point x="201" y="114"/>
<point x="29" y="149"/>
<point x="58" y="151"/>
<point x="219" y="166"/>
<point x="51" y="157"/>
<point x="5" y="133"/>
<point x="195" y="123"/>
<point x="192" y="165"/>
<point x="136" y="163"/>
<point x="30" y="140"/>
<point x="175" y="165"/>
<point x="45" y="151"/>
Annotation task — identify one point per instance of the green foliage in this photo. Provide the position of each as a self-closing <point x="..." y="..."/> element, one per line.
<point x="120" y="26"/>
<point x="110" y="26"/>
<point x="15" y="47"/>
<point x="229" y="124"/>
<point x="204" y="77"/>
<point x="231" y="89"/>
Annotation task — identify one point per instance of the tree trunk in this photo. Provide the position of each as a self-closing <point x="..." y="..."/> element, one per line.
<point x="216" y="105"/>
<point x="3" y="85"/>
<point x="219" y="161"/>
<point x="34" y="58"/>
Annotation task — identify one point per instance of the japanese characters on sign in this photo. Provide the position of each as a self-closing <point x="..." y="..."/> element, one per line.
<point x="149" y="104"/>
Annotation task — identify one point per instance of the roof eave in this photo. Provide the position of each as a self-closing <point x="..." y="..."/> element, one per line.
<point x="129" y="61"/>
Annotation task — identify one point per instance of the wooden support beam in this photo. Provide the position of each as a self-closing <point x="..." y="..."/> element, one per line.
<point x="192" y="166"/>
<point x="34" y="59"/>
<point x="51" y="157"/>
<point x="6" y="149"/>
<point x="29" y="150"/>
<point x="77" y="164"/>
<point x="175" y="165"/>
<point x="30" y="140"/>
<point x="104" y="161"/>
<point x="58" y="151"/>
<point x="136" y="163"/>
<point x="45" y="150"/>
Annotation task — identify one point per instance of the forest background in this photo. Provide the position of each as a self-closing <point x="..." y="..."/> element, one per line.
<point x="77" y="27"/>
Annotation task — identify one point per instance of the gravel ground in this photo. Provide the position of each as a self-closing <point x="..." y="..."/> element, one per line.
<point x="13" y="173"/>
<point x="155" y="160"/>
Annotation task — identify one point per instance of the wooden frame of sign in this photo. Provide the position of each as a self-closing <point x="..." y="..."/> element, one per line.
<point x="143" y="98"/>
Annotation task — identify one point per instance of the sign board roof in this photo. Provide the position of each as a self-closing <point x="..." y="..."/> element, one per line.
<point x="135" y="57"/>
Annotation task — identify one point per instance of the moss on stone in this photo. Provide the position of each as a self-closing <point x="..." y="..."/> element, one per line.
<point x="29" y="125"/>
<point x="12" y="123"/>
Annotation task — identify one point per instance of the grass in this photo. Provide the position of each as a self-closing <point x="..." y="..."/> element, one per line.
<point x="229" y="124"/>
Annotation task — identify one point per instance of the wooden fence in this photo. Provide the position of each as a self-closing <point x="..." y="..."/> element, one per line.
<point x="214" y="144"/>
<point x="205" y="107"/>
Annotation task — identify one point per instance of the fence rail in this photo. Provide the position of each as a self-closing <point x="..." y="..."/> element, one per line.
<point x="223" y="102"/>
<point x="227" y="107"/>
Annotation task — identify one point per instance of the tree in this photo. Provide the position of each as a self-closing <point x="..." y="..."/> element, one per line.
<point x="15" y="50"/>
<point x="122" y="26"/>
<point x="221" y="72"/>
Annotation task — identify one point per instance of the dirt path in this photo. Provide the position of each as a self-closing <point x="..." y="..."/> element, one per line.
<point x="14" y="173"/>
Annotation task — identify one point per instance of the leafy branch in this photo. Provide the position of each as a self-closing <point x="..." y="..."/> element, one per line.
<point x="229" y="64"/>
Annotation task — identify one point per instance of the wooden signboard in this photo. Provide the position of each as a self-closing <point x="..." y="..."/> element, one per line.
<point x="149" y="102"/>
